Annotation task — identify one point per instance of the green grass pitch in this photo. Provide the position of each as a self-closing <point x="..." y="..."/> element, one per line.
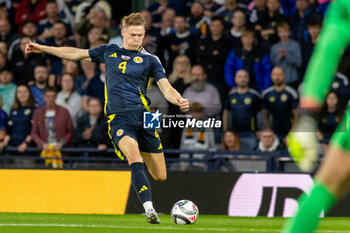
<point x="64" y="223"/>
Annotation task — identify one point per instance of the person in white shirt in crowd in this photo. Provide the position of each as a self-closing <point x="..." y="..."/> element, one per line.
<point x="268" y="141"/>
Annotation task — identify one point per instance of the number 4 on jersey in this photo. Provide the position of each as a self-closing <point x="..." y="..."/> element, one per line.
<point x="122" y="66"/>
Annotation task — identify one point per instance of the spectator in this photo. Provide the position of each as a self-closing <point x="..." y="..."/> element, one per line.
<point x="69" y="98"/>
<point x="7" y="90"/>
<point x="287" y="54"/>
<point x="41" y="75"/>
<point x="196" y="139"/>
<point x="182" y="42"/>
<point x="3" y="61"/>
<point x="93" y="35"/>
<point x="51" y="124"/>
<point x="299" y="19"/>
<point x="230" y="141"/>
<point x="268" y="142"/>
<point x="117" y="39"/>
<point x="226" y="12"/>
<point x="210" y="6"/>
<point x="3" y="125"/>
<point x="96" y="18"/>
<point x="5" y="32"/>
<point x="70" y="67"/>
<point x="152" y="35"/>
<point x="166" y="29"/>
<point x="84" y="9"/>
<point x="257" y="11"/>
<point x="251" y="59"/>
<point x="240" y="112"/>
<point x="91" y="130"/>
<point x="58" y="39"/>
<point x="314" y="28"/>
<point x="33" y="10"/>
<point x="180" y="79"/>
<point x="266" y="26"/>
<point x="4" y="48"/>
<point x="202" y="92"/>
<point x="23" y="64"/>
<point x="330" y="116"/>
<point x="45" y="26"/>
<point x="166" y="26"/>
<point x="212" y="53"/>
<point x="158" y="102"/>
<point x="67" y="11"/>
<point x="198" y="21"/>
<point x="341" y="86"/>
<point x="238" y="23"/>
<point x="158" y="8"/>
<point x="281" y="102"/>
<point x="82" y="81"/>
<point x="288" y="7"/>
<point x="29" y="30"/>
<point x="18" y="133"/>
<point x="96" y="87"/>
<point x="323" y="6"/>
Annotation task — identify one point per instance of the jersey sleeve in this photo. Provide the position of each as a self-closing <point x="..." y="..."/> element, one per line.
<point x="97" y="54"/>
<point x="157" y="70"/>
<point x="335" y="36"/>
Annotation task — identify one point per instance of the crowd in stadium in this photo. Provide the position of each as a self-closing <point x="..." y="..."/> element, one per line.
<point x="241" y="61"/>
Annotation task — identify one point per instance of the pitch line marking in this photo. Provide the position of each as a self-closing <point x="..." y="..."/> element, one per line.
<point x="138" y="227"/>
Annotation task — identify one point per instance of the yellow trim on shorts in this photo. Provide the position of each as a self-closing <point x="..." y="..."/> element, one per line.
<point x="144" y="101"/>
<point x="118" y="152"/>
<point x="157" y="136"/>
<point x="149" y="83"/>
<point x="106" y="99"/>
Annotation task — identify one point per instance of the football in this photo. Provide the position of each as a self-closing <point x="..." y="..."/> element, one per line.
<point x="184" y="212"/>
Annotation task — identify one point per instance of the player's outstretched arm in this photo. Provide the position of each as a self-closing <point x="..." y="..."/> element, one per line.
<point x="172" y="95"/>
<point x="69" y="53"/>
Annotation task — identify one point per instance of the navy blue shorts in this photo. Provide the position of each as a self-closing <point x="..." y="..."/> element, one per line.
<point x="131" y="124"/>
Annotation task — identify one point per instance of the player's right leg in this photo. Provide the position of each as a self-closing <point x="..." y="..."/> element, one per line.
<point x="331" y="182"/>
<point x="123" y="136"/>
<point x="130" y="148"/>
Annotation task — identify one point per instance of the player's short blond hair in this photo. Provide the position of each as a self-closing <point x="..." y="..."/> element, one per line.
<point x="134" y="19"/>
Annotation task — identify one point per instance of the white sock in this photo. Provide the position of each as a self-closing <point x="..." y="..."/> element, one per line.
<point x="148" y="205"/>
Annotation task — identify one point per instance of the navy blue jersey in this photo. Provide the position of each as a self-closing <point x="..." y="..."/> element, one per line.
<point x="328" y="125"/>
<point x="243" y="109"/>
<point x="20" y="124"/>
<point x="128" y="75"/>
<point x="341" y="86"/>
<point x="280" y="106"/>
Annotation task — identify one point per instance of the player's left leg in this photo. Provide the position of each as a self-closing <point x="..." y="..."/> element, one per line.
<point x="152" y="153"/>
<point x="155" y="163"/>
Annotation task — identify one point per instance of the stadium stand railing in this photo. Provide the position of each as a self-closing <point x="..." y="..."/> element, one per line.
<point x="215" y="160"/>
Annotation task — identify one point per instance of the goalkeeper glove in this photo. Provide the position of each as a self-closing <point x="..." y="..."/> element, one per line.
<point x="302" y="141"/>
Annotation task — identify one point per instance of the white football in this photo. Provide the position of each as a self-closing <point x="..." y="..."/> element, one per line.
<point x="184" y="212"/>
